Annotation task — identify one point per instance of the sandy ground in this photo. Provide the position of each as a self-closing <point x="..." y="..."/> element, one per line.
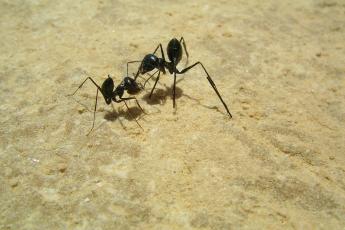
<point x="279" y="163"/>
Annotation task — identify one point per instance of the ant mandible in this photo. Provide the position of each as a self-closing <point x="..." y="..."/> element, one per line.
<point x="109" y="94"/>
<point x="174" y="50"/>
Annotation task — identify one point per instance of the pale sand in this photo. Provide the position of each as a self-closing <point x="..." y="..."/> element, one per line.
<point x="279" y="163"/>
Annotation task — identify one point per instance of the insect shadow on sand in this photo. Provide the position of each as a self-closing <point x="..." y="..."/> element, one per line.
<point x="130" y="115"/>
<point x="160" y="96"/>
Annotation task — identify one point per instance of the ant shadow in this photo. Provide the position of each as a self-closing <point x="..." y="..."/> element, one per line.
<point x="129" y="114"/>
<point x="160" y="96"/>
<point x="205" y="106"/>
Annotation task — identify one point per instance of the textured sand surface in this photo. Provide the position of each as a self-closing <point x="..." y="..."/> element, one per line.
<point x="279" y="163"/>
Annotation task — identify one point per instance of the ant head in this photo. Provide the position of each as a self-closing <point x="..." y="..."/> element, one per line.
<point x="131" y="85"/>
<point x="149" y="62"/>
<point x="107" y="89"/>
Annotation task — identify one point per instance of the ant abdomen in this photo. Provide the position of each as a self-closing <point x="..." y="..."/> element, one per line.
<point x="174" y="50"/>
<point x="107" y="89"/>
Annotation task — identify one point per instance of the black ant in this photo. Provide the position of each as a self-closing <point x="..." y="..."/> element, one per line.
<point x="109" y="94"/>
<point x="174" y="50"/>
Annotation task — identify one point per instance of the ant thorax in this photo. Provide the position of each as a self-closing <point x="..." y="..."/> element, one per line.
<point x="161" y="65"/>
<point x="170" y="66"/>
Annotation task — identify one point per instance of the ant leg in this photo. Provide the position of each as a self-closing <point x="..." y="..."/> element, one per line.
<point x="130" y="114"/>
<point x="154" y="86"/>
<point x="94" y="115"/>
<point x="130" y="63"/>
<point x="94" y="111"/>
<point x="133" y="98"/>
<point x="159" y="46"/>
<point x="174" y="86"/>
<point x="138" y="72"/>
<point x="174" y="90"/>
<point x="151" y="75"/>
<point x="184" y="46"/>
<point x="210" y="81"/>
<point x="88" y="78"/>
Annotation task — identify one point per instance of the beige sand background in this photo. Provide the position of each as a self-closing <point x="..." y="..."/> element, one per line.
<point x="279" y="163"/>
